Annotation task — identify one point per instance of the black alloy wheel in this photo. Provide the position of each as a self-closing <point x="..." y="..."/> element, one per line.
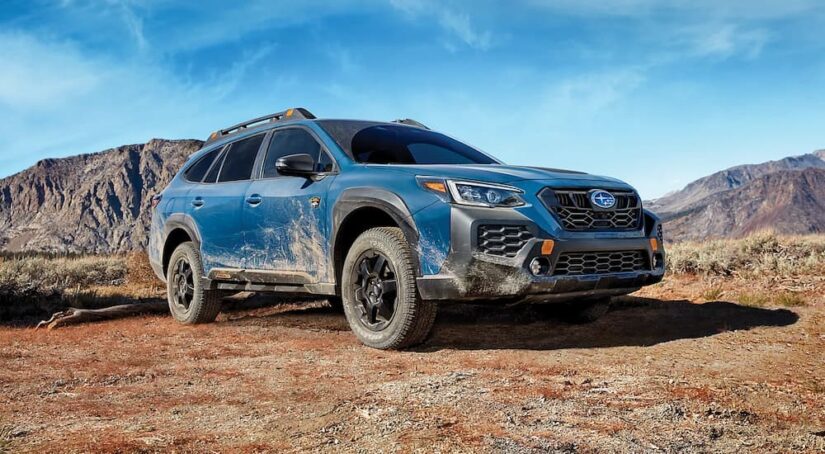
<point x="376" y="290"/>
<point x="183" y="284"/>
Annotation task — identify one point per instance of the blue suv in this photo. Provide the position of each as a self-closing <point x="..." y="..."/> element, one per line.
<point x="389" y="219"/>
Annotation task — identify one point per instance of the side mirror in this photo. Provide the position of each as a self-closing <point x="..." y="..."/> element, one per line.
<point x="302" y="165"/>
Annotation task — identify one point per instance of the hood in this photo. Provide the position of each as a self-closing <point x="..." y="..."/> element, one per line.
<point x="505" y="174"/>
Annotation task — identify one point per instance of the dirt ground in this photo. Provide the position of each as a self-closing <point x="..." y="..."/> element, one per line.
<point x="660" y="372"/>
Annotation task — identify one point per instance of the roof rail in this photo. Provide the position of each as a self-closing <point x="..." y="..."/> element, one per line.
<point x="411" y="122"/>
<point x="298" y="113"/>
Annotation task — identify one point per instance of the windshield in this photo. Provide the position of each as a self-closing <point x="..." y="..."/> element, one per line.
<point x="380" y="143"/>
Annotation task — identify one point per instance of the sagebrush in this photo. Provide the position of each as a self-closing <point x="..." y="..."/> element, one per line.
<point x="763" y="254"/>
<point x="49" y="275"/>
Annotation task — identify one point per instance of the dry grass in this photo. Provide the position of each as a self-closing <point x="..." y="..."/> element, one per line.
<point x="790" y="299"/>
<point x="49" y="275"/>
<point x="713" y="293"/>
<point x="5" y="439"/>
<point x="755" y="256"/>
<point x="753" y="299"/>
<point x="36" y="285"/>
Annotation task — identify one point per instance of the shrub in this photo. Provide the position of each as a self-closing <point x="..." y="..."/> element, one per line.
<point x="753" y="299"/>
<point x="758" y="255"/>
<point x="790" y="299"/>
<point x="40" y="278"/>
<point x="5" y="439"/>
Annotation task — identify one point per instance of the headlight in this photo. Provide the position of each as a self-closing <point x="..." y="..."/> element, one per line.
<point x="485" y="194"/>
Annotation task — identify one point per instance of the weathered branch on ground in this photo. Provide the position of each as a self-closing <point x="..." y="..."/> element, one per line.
<point x="74" y="315"/>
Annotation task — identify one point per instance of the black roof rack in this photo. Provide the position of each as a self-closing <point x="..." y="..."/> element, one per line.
<point x="298" y="113"/>
<point x="411" y="122"/>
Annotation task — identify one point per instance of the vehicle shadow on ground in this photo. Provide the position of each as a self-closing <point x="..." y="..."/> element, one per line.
<point x="632" y="321"/>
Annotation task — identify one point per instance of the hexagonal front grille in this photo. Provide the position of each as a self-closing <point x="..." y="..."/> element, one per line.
<point x="584" y="263"/>
<point x="575" y="212"/>
<point x="503" y="240"/>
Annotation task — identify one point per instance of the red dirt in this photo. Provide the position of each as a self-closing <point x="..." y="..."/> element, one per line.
<point x="654" y="374"/>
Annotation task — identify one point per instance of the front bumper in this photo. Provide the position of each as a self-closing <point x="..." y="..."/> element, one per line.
<point x="468" y="274"/>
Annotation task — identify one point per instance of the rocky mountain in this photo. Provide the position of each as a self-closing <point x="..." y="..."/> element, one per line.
<point x="89" y="203"/>
<point x="786" y="196"/>
<point x="101" y="202"/>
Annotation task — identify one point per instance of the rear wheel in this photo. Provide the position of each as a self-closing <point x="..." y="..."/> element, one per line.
<point x="190" y="302"/>
<point x="380" y="297"/>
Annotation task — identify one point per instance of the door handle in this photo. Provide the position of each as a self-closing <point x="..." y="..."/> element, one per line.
<point x="197" y="203"/>
<point x="254" y="200"/>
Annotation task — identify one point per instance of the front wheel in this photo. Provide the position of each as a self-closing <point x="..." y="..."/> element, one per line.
<point x="380" y="297"/>
<point x="190" y="302"/>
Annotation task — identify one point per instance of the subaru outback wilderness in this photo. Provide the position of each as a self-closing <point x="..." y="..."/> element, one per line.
<point x="388" y="219"/>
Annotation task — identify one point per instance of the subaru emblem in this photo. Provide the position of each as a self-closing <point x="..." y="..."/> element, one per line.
<point x="602" y="199"/>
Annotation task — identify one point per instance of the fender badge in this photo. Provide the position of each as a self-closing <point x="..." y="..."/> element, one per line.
<point x="315" y="202"/>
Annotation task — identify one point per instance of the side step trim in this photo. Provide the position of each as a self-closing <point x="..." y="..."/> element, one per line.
<point x="260" y="276"/>
<point x="239" y="280"/>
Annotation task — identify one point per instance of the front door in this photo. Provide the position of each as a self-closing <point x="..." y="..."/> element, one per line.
<point x="285" y="217"/>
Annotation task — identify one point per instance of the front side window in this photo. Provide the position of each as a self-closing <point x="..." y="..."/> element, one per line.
<point x="294" y="141"/>
<point x="240" y="159"/>
<point x="324" y="163"/>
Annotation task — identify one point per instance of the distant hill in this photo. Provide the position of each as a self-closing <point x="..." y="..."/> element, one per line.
<point x="787" y="196"/>
<point x="89" y="203"/>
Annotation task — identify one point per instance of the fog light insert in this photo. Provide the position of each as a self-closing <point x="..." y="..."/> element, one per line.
<point x="539" y="266"/>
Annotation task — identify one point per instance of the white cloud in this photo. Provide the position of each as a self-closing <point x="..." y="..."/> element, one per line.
<point x="586" y="95"/>
<point x="56" y="99"/>
<point x="36" y="73"/>
<point x="133" y="21"/>
<point x="742" y="9"/>
<point x="457" y="23"/>
<point x="726" y="41"/>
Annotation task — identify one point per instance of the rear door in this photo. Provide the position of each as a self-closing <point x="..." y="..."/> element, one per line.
<point x="286" y="216"/>
<point x="216" y="205"/>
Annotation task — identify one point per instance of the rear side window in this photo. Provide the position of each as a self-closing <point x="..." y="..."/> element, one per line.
<point x="240" y="159"/>
<point x="291" y="141"/>
<point x="197" y="171"/>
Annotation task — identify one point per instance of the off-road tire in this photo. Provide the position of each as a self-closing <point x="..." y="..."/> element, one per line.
<point x="205" y="304"/>
<point x="580" y="312"/>
<point x="413" y="317"/>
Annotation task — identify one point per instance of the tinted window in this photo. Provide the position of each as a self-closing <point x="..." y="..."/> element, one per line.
<point x="240" y="159"/>
<point x="212" y="177"/>
<point x="391" y="144"/>
<point x="287" y="142"/>
<point x="197" y="171"/>
<point x="325" y="163"/>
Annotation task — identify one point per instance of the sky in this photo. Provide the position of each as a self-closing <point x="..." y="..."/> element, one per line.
<point x="654" y="92"/>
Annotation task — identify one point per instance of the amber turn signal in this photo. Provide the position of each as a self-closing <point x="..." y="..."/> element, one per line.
<point x="547" y="247"/>
<point x="654" y="244"/>
<point x="436" y="186"/>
